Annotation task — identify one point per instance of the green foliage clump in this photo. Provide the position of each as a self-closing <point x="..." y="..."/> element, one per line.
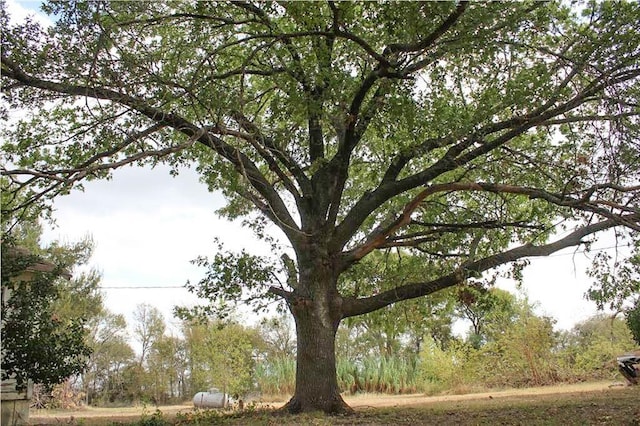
<point x="38" y="342"/>
<point x="588" y="351"/>
<point x="633" y="321"/>
<point x="199" y="417"/>
<point x="155" y="419"/>
<point x="445" y="369"/>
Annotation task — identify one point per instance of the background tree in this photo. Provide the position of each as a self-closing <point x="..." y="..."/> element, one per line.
<point x="489" y="310"/>
<point x="519" y="352"/>
<point x="103" y="378"/>
<point x="279" y="336"/>
<point x="167" y="369"/>
<point x="514" y="347"/>
<point x="589" y="349"/>
<point x="221" y="355"/>
<point x="470" y="133"/>
<point x="149" y="328"/>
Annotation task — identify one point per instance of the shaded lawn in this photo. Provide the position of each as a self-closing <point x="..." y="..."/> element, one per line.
<point x="615" y="406"/>
<point x="612" y="407"/>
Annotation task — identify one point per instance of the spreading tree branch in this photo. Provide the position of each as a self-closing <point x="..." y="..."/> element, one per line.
<point x="463" y="152"/>
<point x="360" y="306"/>
<point x="382" y="235"/>
<point x="431" y="38"/>
<point x="241" y="162"/>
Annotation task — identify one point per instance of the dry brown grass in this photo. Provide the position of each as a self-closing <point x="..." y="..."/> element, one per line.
<point x="578" y="404"/>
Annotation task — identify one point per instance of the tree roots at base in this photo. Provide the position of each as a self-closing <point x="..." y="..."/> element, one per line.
<point x="335" y="407"/>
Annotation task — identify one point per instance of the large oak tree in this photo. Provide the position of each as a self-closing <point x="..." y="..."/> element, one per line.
<point x="471" y="134"/>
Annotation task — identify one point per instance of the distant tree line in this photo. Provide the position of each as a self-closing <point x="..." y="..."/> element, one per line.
<point x="508" y="345"/>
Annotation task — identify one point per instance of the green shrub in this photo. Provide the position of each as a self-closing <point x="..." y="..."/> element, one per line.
<point x="448" y="369"/>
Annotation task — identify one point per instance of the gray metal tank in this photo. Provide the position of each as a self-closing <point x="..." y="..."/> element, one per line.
<point x="213" y="398"/>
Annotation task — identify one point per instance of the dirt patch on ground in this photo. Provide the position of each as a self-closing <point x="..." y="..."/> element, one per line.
<point x="588" y="403"/>
<point x="101" y="415"/>
<point x="376" y="400"/>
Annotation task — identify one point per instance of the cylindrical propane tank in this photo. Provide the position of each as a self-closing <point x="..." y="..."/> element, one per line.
<point x="213" y="398"/>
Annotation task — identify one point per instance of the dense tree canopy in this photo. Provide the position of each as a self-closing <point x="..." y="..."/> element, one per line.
<point x="471" y="134"/>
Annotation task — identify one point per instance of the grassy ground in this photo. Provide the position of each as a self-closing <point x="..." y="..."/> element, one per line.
<point x="585" y="404"/>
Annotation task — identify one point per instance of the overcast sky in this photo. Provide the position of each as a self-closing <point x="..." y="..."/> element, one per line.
<point x="147" y="226"/>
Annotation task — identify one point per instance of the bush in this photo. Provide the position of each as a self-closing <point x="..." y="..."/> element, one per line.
<point x="448" y="369"/>
<point x="632" y="317"/>
<point x="592" y="346"/>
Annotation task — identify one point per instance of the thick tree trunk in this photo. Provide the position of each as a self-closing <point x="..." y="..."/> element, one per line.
<point x="317" y="312"/>
<point x="316" y="379"/>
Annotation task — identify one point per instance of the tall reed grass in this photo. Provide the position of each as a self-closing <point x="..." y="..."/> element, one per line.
<point x="393" y="375"/>
<point x="276" y="376"/>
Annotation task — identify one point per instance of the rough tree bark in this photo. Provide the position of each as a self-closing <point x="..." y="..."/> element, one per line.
<point x="317" y="308"/>
<point x="316" y="379"/>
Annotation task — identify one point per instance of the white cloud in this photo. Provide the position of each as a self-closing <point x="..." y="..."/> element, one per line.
<point x="557" y="288"/>
<point x="20" y="10"/>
